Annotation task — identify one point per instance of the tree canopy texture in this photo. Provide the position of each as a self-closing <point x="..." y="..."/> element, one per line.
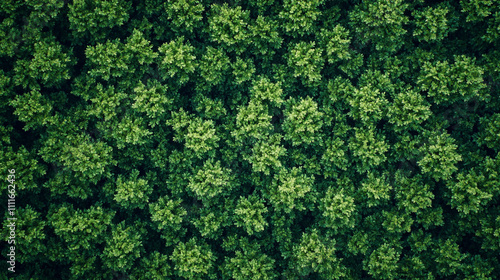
<point x="259" y="139"/>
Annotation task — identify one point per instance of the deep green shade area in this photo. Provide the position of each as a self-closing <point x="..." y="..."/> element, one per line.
<point x="260" y="139"/>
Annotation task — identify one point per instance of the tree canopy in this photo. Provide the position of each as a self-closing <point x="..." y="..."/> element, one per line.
<point x="261" y="139"/>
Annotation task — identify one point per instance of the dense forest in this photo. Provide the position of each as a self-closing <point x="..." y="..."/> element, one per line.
<point x="259" y="139"/>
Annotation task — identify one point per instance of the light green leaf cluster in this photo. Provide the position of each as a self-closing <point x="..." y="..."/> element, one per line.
<point x="290" y="188"/>
<point x="409" y="109"/>
<point x="306" y="60"/>
<point x="412" y="194"/>
<point x="469" y="194"/>
<point x="249" y="214"/>
<point x="265" y="36"/>
<point x="167" y="216"/>
<point x="32" y="108"/>
<point x="375" y="189"/>
<point x="201" y="136"/>
<point x="107" y="60"/>
<point x="134" y="192"/>
<point x="317" y="254"/>
<point x="123" y="247"/>
<point x="299" y="16"/>
<point x="127" y="131"/>
<point x="152" y="100"/>
<point x="448" y="83"/>
<point x="213" y="66"/>
<point x="368" y="104"/>
<point x="439" y="156"/>
<point x="253" y="122"/>
<point x="249" y="263"/>
<point x="185" y="14"/>
<point x="210" y="180"/>
<point x="193" y="261"/>
<point x="338" y="209"/>
<point x="177" y="60"/>
<point x="338" y="42"/>
<point x="81" y="229"/>
<point x="265" y="155"/>
<point x="369" y="147"/>
<point x="106" y="103"/>
<point x="152" y="267"/>
<point x="78" y="153"/>
<point x="432" y="24"/>
<point x="95" y="18"/>
<point x="243" y="70"/>
<point x="383" y="262"/>
<point x="50" y="66"/>
<point x="228" y="27"/>
<point x="380" y="21"/>
<point x="302" y="122"/>
<point x="263" y="89"/>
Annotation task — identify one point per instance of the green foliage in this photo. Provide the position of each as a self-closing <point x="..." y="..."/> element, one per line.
<point x="133" y="192"/>
<point x="106" y="60"/>
<point x="151" y="100"/>
<point x="448" y="257"/>
<point x="449" y="83"/>
<point x="49" y="63"/>
<point x="469" y="194"/>
<point x="380" y="22"/>
<point x="412" y="194"/>
<point x="249" y="263"/>
<point x="431" y="24"/>
<point x="249" y="214"/>
<point x="243" y="70"/>
<point x="167" y="215"/>
<point x="228" y="26"/>
<point x="185" y="14"/>
<point x="177" y="61"/>
<point x="253" y="122"/>
<point x="289" y="189"/>
<point x="263" y="89"/>
<point x="374" y="190"/>
<point x="153" y="267"/>
<point x="489" y="135"/>
<point x="210" y="180"/>
<point x="299" y="16"/>
<point x="306" y="60"/>
<point x="214" y="63"/>
<point x="199" y="135"/>
<point x="30" y="234"/>
<point x="265" y="155"/>
<point x="368" y="104"/>
<point x="408" y="110"/>
<point x="94" y="19"/>
<point x="368" y="147"/>
<point x="122" y="248"/>
<point x="77" y="153"/>
<point x="32" y="108"/>
<point x="338" y="209"/>
<point x="265" y="35"/>
<point x="193" y="261"/>
<point x="439" y="156"/>
<point x="314" y="254"/>
<point x="127" y="131"/>
<point x="477" y="10"/>
<point x="302" y="121"/>
<point x="337" y="46"/>
<point x="382" y="263"/>
<point x="81" y="229"/>
<point x="193" y="139"/>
